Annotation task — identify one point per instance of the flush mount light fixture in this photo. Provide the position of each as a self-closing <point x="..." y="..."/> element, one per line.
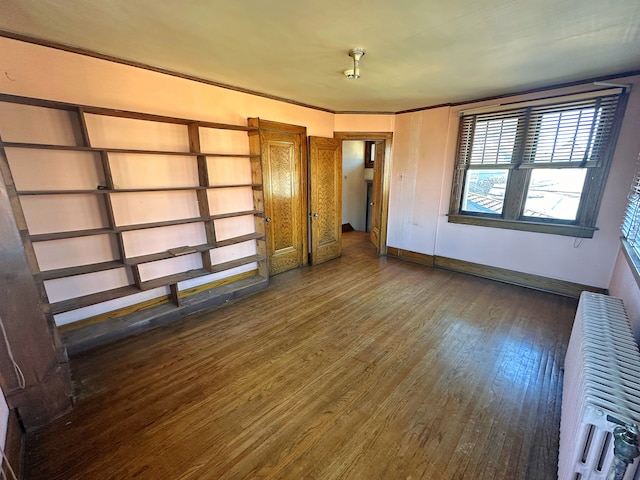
<point x="356" y="54"/>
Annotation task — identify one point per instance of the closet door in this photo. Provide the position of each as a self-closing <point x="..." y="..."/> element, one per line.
<point x="281" y="160"/>
<point x="325" y="184"/>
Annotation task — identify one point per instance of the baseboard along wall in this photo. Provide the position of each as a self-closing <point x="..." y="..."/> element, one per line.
<point x="537" y="282"/>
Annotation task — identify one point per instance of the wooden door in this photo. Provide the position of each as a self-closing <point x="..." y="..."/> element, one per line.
<point x="325" y="183"/>
<point x="376" y="201"/>
<point x="283" y="199"/>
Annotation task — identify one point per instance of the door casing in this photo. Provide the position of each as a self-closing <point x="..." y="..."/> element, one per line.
<point x="385" y="179"/>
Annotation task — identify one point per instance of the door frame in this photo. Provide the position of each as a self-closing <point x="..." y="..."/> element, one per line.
<point x="385" y="177"/>
<point x="268" y="125"/>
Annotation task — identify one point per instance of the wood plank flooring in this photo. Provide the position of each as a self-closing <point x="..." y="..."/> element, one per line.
<point x="361" y="368"/>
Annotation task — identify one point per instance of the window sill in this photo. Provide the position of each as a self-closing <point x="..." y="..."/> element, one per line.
<point x="632" y="259"/>
<point x="550" y="228"/>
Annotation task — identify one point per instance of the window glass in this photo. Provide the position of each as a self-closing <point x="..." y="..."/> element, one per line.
<point x="554" y="193"/>
<point x="484" y="191"/>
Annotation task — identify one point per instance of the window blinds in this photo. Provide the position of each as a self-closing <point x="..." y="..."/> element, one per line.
<point x="564" y="134"/>
<point x="631" y="220"/>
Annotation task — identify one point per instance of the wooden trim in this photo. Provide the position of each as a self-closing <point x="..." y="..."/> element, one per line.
<point x="556" y="86"/>
<point x="276" y="126"/>
<point x="386" y="176"/>
<point x="363" y="112"/>
<point x="195" y="300"/>
<point x="536" y="282"/>
<point x="632" y="259"/>
<point x="14" y="445"/>
<point x="363" y="136"/>
<point x="112" y="112"/>
<point x="539" y="227"/>
<point x="144" y="66"/>
<point x="409" y="256"/>
<point x="113" y="314"/>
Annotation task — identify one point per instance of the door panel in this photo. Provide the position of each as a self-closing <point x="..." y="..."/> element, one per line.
<point x="325" y="174"/>
<point x="283" y="200"/>
<point x="376" y="210"/>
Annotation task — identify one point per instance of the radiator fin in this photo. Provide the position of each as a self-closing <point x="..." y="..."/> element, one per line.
<point x="601" y="378"/>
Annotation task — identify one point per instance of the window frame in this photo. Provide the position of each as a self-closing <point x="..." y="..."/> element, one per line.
<point x="630" y="228"/>
<point x="512" y="216"/>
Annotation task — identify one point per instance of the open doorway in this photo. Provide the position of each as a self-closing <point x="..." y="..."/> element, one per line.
<point x="357" y="182"/>
<point x="365" y="184"/>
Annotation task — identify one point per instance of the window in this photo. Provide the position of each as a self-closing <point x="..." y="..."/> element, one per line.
<point x="631" y="221"/>
<point x="369" y="154"/>
<point x="538" y="166"/>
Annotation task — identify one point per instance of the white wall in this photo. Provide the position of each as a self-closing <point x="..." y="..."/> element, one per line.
<point x="422" y="172"/>
<point x="354" y="187"/>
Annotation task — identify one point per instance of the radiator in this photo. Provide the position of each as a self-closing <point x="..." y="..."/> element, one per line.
<point x="601" y="383"/>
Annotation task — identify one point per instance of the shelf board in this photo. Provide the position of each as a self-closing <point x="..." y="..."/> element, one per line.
<point x="157" y="189"/>
<point x="252" y="185"/>
<point x="80" y="270"/>
<point x="235" y="214"/>
<point x="166" y="223"/>
<point x="43" y="237"/>
<point x="106" y="190"/>
<point x="110" y="112"/>
<point x="154" y="257"/>
<point x="62" y="192"/>
<point x="94" y="298"/>
<point x="220" y="267"/>
<point x="170" y="279"/>
<point x="240" y="239"/>
<point x="162" y="118"/>
<point x="79" y="148"/>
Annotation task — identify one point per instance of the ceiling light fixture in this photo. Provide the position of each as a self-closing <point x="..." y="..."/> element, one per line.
<point x="356" y="54"/>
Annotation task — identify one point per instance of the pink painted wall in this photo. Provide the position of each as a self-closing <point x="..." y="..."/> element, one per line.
<point x="422" y="172"/>
<point x="421" y="167"/>
<point x="623" y="285"/>
<point x="41" y="72"/>
<point x="364" y="123"/>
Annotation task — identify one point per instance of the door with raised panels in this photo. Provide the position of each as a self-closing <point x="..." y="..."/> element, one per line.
<point x="283" y="200"/>
<point x="325" y="184"/>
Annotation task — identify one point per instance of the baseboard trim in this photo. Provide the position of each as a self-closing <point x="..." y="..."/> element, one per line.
<point x="13" y="447"/>
<point x="536" y="282"/>
<point x="413" y="257"/>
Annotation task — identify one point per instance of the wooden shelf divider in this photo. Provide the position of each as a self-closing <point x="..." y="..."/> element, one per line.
<point x="81" y="148"/>
<point x="92" y="299"/>
<point x="80" y="125"/>
<point x="81" y="269"/>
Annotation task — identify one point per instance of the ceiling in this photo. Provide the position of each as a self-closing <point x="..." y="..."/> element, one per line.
<point x="418" y="52"/>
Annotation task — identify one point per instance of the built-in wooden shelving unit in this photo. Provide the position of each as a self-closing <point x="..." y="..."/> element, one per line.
<point x="132" y="181"/>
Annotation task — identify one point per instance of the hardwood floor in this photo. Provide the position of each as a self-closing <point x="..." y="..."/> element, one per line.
<point x="360" y="368"/>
